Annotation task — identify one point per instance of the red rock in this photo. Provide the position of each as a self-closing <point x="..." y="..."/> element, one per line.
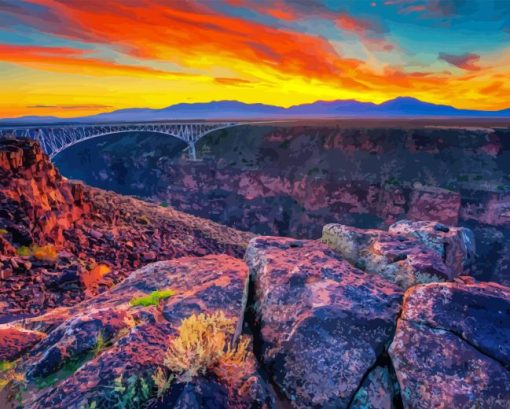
<point x="87" y="226"/>
<point x="432" y="203"/>
<point x="15" y="341"/>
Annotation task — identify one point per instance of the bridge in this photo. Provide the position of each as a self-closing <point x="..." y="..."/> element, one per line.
<point x="55" y="138"/>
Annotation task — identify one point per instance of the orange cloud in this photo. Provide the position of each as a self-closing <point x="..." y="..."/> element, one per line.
<point x="65" y="58"/>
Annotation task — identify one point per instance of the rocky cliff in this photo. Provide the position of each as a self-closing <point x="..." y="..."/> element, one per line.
<point x="360" y="319"/>
<point x="62" y="241"/>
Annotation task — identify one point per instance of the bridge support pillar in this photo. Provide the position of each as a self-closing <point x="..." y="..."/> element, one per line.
<point x="192" y="151"/>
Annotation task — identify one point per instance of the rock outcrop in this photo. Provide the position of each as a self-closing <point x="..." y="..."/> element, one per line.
<point x="85" y="239"/>
<point x="409" y="253"/>
<point x="452" y="346"/>
<point x="322" y="323"/>
<point x="371" y="320"/>
<point x="134" y="340"/>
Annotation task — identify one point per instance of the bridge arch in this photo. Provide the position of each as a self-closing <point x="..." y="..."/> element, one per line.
<point x="64" y="147"/>
<point x="54" y="138"/>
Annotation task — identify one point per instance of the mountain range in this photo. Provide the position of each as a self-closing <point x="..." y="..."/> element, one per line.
<point x="395" y="108"/>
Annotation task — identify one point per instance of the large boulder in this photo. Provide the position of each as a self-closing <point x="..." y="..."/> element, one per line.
<point x="452" y="346"/>
<point x="399" y="258"/>
<point x="455" y="245"/>
<point x="109" y="345"/>
<point x="322" y="324"/>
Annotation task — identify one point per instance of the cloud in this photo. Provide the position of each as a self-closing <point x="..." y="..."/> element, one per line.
<point x="92" y="107"/>
<point x="466" y="61"/>
<point x="233" y="81"/>
<point x="191" y="34"/>
<point x="433" y="8"/>
<point x="73" y="60"/>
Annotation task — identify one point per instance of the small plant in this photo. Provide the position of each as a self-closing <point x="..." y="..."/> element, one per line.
<point x="3" y="232"/>
<point x="143" y="219"/>
<point x="152" y="299"/>
<point x="392" y="181"/>
<point x="45" y="253"/>
<point x="163" y="204"/>
<point x="163" y="381"/>
<point x="132" y="394"/>
<point x="6" y="366"/>
<point x="9" y="376"/>
<point x="100" y="344"/>
<point x="24" y="251"/>
<point x="203" y="343"/>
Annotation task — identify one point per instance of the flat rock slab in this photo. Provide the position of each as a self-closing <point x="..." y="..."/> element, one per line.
<point x="398" y="256"/>
<point x="15" y="341"/>
<point x="452" y="346"/>
<point x="137" y="338"/>
<point x="323" y="323"/>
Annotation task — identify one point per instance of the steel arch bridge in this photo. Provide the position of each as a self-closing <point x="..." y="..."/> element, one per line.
<point x="55" y="138"/>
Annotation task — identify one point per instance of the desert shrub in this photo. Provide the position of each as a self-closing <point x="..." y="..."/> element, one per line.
<point x="24" y="251"/>
<point x="6" y="366"/>
<point x="92" y="276"/>
<point x="152" y="299"/>
<point x="101" y="344"/>
<point x="202" y="343"/>
<point x="132" y="393"/>
<point x="45" y="253"/>
<point x="143" y="219"/>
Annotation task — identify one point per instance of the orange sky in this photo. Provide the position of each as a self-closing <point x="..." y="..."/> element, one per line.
<point x="79" y="57"/>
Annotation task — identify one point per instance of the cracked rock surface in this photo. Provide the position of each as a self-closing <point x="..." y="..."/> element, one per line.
<point x="323" y="323"/>
<point x="452" y="346"/>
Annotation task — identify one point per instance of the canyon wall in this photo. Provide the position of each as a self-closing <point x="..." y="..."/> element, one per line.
<point x="292" y="179"/>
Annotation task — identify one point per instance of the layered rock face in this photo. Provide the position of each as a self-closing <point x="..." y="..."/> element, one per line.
<point x="61" y="241"/>
<point x="294" y="178"/>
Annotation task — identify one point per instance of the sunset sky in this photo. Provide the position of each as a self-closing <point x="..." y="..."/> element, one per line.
<point x="80" y="57"/>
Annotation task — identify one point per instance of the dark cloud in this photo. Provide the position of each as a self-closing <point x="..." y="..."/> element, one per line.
<point x="466" y="61"/>
<point x="71" y="107"/>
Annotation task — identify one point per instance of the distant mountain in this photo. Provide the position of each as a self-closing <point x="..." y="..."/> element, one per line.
<point x="395" y="108"/>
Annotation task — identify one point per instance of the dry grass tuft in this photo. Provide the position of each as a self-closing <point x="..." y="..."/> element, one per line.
<point x="202" y="344"/>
